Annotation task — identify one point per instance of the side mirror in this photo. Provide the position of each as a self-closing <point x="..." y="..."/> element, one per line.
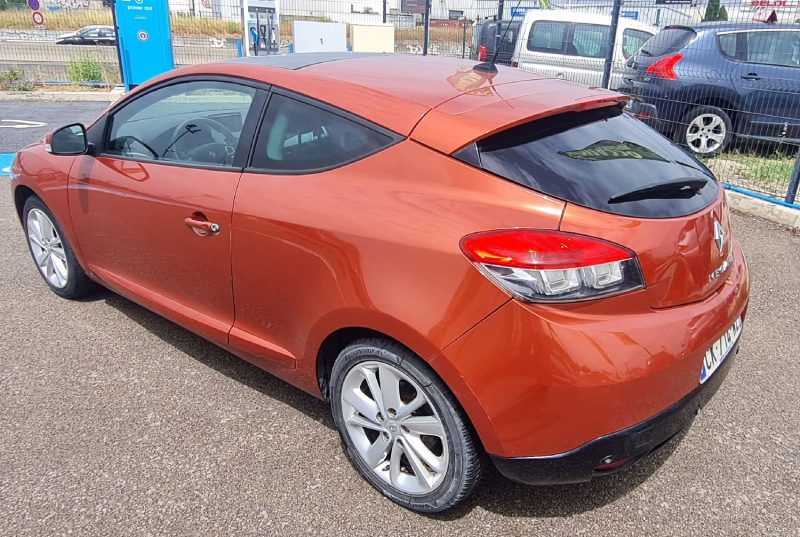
<point x="69" y="140"/>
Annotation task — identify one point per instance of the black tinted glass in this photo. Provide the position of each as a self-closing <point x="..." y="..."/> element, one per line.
<point x="668" y="41"/>
<point x="601" y="159"/>
<point x="299" y="137"/>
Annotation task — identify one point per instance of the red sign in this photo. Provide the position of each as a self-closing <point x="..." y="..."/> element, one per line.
<point x="772" y="3"/>
<point x="38" y="18"/>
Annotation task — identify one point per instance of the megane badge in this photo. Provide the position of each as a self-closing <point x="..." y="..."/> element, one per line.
<point x="719" y="235"/>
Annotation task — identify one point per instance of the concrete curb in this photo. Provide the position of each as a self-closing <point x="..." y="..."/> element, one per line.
<point x="61" y="96"/>
<point x="779" y="214"/>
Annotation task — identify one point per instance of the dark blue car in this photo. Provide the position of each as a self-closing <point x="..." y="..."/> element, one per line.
<point x="709" y="84"/>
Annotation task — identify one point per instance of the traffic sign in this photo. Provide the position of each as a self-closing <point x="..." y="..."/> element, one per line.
<point x="38" y="18"/>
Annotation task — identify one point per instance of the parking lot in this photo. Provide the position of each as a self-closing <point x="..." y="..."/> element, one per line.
<point x="114" y="421"/>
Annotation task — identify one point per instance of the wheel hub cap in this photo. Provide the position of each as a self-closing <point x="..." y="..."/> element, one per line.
<point x="47" y="248"/>
<point x="394" y="428"/>
<point x="706" y="133"/>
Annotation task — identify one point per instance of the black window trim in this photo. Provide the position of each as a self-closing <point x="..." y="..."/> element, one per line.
<point x="741" y="44"/>
<point x="99" y="132"/>
<point x="394" y="137"/>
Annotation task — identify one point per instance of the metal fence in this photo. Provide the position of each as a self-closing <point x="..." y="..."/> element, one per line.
<point x="730" y="95"/>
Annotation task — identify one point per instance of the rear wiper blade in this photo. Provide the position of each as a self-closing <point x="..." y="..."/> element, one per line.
<point x="681" y="189"/>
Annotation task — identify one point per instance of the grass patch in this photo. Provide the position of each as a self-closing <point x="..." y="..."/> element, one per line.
<point x="14" y="80"/>
<point x="64" y="20"/>
<point x="70" y="20"/>
<point x="768" y="174"/>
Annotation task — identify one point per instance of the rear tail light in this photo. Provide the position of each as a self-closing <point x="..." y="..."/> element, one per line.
<point x="482" y="53"/>
<point x="514" y="64"/>
<point x="552" y="266"/>
<point x="665" y="67"/>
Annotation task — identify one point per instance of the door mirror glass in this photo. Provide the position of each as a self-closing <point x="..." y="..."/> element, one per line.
<point x="69" y="140"/>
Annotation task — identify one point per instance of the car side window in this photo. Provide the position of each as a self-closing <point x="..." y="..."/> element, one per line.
<point x="94" y="32"/>
<point x="727" y="45"/>
<point x="298" y="137"/>
<point x="547" y="36"/>
<point x="508" y="34"/>
<point x="589" y="41"/>
<point x="632" y="41"/>
<point x="192" y="122"/>
<point x="774" y="48"/>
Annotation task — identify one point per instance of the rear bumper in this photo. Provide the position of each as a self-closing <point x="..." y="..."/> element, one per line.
<point x="620" y="449"/>
<point x="542" y="382"/>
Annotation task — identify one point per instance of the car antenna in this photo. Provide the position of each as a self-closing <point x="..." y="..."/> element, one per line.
<point x="490" y="66"/>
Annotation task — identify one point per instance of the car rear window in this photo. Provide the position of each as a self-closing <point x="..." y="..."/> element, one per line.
<point x="668" y="41"/>
<point x="594" y="159"/>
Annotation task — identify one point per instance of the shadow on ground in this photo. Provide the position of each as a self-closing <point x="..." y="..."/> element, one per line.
<point x="496" y="493"/>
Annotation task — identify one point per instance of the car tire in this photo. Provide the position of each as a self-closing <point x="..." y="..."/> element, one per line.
<point x="421" y="472"/>
<point x="51" y="252"/>
<point x="705" y="131"/>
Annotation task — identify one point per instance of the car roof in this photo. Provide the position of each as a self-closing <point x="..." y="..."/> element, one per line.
<point x="583" y="17"/>
<point x="725" y="26"/>
<point x="397" y="91"/>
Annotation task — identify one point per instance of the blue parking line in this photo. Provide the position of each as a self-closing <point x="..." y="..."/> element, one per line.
<point x="5" y="163"/>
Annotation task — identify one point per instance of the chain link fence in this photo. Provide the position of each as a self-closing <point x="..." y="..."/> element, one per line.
<point x="705" y="74"/>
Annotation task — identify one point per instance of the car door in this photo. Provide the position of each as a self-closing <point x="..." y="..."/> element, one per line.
<point x="587" y="47"/>
<point x="106" y="37"/>
<point x="542" y="49"/>
<point x="152" y="210"/>
<point x="288" y="255"/>
<point x="90" y="37"/>
<point x="767" y="76"/>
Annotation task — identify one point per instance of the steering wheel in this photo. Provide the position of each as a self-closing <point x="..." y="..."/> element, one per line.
<point x="189" y="127"/>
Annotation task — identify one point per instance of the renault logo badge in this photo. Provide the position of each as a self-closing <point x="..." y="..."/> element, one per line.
<point x="719" y="235"/>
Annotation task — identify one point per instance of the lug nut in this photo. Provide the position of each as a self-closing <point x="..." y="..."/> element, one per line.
<point x="392" y="412"/>
<point x="379" y="417"/>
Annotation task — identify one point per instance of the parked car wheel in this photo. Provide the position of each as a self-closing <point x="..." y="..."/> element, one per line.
<point x="52" y="253"/>
<point x="401" y="428"/>
<point x="705" y="130"/>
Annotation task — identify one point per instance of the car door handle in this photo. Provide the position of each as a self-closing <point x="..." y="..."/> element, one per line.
<point x="202" y="228"/>
<point x="751" y="76"/>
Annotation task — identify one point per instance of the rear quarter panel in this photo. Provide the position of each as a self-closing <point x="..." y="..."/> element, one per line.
<point x="374" y="244"/>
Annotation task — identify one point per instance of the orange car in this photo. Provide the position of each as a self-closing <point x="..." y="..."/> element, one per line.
<point x="460" y="261"/>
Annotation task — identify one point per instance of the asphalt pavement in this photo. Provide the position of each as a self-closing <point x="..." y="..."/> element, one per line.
<point x="114" y="421"/>
<point x="17" y="119"/>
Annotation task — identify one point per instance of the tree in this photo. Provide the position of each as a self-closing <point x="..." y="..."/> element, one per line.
<point x="715" y="12"/>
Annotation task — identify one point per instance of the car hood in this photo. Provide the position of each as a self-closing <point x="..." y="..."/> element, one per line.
<point x="66" y="36"/>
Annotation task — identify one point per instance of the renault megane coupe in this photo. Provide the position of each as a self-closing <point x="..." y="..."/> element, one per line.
<point x="472" y="265"/>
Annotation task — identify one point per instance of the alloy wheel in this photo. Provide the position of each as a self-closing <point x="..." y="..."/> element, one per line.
<point x="394" y="427"/>
<point x="706" y="133"/>
<point x="48" y="249"/>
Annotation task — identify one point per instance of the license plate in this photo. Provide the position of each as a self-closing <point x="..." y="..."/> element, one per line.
<point x="720" y="350"/>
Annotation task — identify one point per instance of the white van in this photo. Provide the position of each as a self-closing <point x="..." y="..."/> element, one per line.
<point x="573" y="45"/>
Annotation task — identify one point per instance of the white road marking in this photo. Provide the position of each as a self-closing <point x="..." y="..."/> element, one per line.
<point x="21" y="124"/>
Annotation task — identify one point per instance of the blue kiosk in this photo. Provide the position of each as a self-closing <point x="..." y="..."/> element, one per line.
<point x="143" y="33"/>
